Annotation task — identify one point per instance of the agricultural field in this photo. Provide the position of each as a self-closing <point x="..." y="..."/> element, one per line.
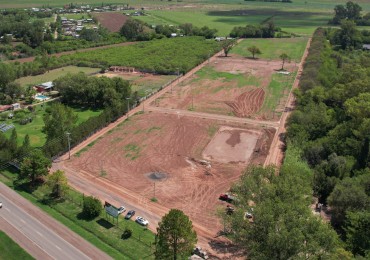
<point x="234" y="86"/>
<point x="272" y="48"/>
<point x="163" y="56"/>
<point x="54" y="74"/>
<point x="112" y="21"/>
<point x="34" y="129"/>
<point x="167" y="150"/>
<point x="143" y="83"/>
<point x="10" y="250"/>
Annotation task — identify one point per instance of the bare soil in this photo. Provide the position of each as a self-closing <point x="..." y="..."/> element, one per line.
<point x="170" y="150"/>
<point x="112" y="21"/>
<point x="215" y="93"/>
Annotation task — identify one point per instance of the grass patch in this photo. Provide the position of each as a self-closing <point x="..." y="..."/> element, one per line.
<point x="132" y="151"/>
<point x="153" y="128"/>
<point x="103" y="173"/>
<point x="54" y="74"/>
<point x="99" y="231"/>
<point x="212" y="129"/>
<point x="272" y="48"/>
<point x="10" y="250"/>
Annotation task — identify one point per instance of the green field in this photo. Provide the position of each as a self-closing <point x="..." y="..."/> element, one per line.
<point x="34" y="129"/>
<point x="10" y="250"/>
<point x="54" y="74"/>
<point x="98" y="231"/>
<point x="272" y="48"/>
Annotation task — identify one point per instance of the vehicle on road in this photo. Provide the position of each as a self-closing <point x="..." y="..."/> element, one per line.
<point x="121" y="209"/>
<point x="1" y="204"/>
<point x="130" y="214"/>
<point x="142" y="221"/>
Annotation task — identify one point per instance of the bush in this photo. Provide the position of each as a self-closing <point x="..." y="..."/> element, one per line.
<point x="92" y="207"/>
<point x="127" y="233"/>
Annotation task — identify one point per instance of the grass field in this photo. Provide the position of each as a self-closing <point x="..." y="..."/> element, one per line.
<point x="9" y="250"/>
<point x="34" y="129"/>
<point x="272" y="48"/>
<point x="98" y="231"/>
<point x="54" y="74"/>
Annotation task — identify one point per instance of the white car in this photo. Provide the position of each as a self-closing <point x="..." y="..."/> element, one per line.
<point x="121" y="209"/>
<point x="142" y="221"/>
<point x="1" y="204"/>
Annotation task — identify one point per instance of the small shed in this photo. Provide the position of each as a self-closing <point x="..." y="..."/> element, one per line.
<point x="366" y="47"/>
<point x="45" y="87"/>
<point x="16" y="106"/>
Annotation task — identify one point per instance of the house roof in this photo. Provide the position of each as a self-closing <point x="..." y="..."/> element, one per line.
<point x="47" y="85"/>
<point x="366" y="46"/>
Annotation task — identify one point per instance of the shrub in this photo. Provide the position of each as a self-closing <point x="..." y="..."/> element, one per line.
<point x="92" y="207"/>
<point x="127" y="233"/>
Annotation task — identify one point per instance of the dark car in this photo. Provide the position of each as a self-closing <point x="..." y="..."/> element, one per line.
<point x="130" y="214"/>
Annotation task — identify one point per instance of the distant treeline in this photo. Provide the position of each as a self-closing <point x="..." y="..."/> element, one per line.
<point x="281" y="1"/>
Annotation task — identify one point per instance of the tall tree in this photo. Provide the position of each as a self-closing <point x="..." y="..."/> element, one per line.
<point x="284" y="58"/>
<point x="254" y="50"/>
<point x="58" y="183"/>
<point x="175" y="236"/>
<point x="59" y="119"/>
<point x="34" y="166"/>
<point x="132" y="29"/>
<point x="227" y="45"/>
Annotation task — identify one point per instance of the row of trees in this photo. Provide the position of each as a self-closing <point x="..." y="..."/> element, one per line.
<point x="331" y="126"/>
<point x="135" y="30"/>
<point x="350" y="11"/>
<point x="266" y="30"/>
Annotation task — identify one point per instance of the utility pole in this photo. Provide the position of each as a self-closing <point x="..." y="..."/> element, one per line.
<point x="128" y="105"/>
<point x="69" y="145"/>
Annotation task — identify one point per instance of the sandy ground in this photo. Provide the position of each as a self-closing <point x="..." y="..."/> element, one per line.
<point x="167" y="150"/>
<point x="219" y="95"/>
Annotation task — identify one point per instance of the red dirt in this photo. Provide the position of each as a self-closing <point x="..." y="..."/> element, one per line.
<point x="112" y="21"/>
<point x="172" y="145"/>
<point x="247" y="103"/>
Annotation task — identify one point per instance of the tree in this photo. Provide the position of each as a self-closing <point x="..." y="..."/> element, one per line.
<point x="357" y="228"/>
<point x="34" y="166"/>
<point x="349" y="36"/>
<point x="58" y="183"/>
<point x="254" y="50"/>
<point x="284" y="58"/>
<point x="92" y="207"/>
<point x="227" y="45"/>
<point x="132" y="29"/>
<point x="175" y="236"/>
<point x="59" y="120"/>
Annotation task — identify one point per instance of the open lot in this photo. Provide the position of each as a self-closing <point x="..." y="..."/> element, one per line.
<point x="159" y="155"/>
<point x="233" y="86"/>
<point x="143" y="83"/>
<point x="54" y="74"/>
<point x="112" y="21"/>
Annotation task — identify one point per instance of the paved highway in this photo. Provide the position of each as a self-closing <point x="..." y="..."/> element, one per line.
<point x="44" y="233"/>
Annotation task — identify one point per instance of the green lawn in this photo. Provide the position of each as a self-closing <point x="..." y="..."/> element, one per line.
<point x="272" y="48"/>
<point x="34" y="129"/>
<point x="99" y="231"/>
<point x="54" y="74"/>
<point x="10" y="250"/>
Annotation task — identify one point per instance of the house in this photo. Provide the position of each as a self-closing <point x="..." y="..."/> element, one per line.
<point x="44" y="87"/>
<point x="16" y="106"/>
<point x="366" y="47"/>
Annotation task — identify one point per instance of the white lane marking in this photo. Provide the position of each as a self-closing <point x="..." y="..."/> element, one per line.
<point x="8" y="209"/>
<point x="24" y="222"/>
<point x="41" y="235"/>
<point x="58" y="247"/>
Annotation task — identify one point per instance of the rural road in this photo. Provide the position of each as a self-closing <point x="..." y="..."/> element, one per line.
<point x="41" y="235"/>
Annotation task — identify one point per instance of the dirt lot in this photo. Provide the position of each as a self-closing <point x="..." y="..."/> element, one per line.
<point x="112" y="21"/>
<point x="161" y="155"/>
<point x="230" y="86"/>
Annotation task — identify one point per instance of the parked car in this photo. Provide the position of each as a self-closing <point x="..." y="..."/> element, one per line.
<point x="130" y="214"/>
<point x="227" y="197"/>
<point x="142" y="221"/>
<point x="121" y="209"/>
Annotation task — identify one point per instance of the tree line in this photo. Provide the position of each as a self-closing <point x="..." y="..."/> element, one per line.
<point x="331" y="126"/>
<point x="266" y="30"/>
<point x="350" y="11"/>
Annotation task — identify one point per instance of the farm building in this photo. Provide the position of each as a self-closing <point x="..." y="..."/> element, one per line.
<point x="44" y="87"/>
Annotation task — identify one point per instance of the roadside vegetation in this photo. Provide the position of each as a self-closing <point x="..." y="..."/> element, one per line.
<point x="10" y="250"/>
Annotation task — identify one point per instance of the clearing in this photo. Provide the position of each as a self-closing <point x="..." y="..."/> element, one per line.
<point x="112" y="21"/>
<point x="169" y="150"/>
<point x="234" y="86"/>
<point x="54" y="74"/>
